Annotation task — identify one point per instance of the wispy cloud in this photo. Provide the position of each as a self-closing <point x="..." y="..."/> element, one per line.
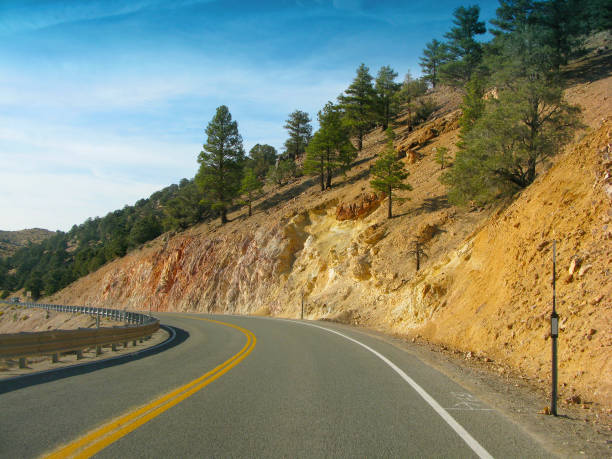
<point x="27" y="15"/>
<point x="104" y="101"/>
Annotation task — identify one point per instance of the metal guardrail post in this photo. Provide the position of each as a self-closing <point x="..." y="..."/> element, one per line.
<point x="23" y="362"/>
<point x="55" y="358"/>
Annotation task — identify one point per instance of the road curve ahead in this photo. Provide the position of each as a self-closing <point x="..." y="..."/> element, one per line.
<point x="246" y="386"/>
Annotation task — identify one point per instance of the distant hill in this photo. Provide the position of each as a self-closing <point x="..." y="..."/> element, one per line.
<point x="11" y="241"/>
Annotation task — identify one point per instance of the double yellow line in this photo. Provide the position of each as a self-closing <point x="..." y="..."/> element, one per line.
<point x="100" y="438"/>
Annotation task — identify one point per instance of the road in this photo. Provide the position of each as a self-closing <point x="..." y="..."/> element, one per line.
<point x="256" y="387"/>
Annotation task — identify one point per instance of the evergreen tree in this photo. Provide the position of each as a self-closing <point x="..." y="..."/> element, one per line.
<point x="389" y="173"/>
<point x="279" y="173"/>
<point x="300" y="132"/>
<point x="464" y="52"/>
<point x="145" y="228"/>
<point x="473" y="104"/>
<point x="34" y="285"/>
<point x="595" y="15"/>
<point x="386" y="89"/>
<point x="330" y="149"/>
<point x="512" y="16"/>
<point x="559" y="27"/>
<point x="186" y="208"/>
<point x="358" y="104"/>
<point x="261" y="157"/>
<point x="410" y="91"/>
<point x="221" y="162"/>
<point x="500" y="153"/>
<point x="434" y="56"/>
<point x="442" y="157"/>
<point x="250" y="187"/>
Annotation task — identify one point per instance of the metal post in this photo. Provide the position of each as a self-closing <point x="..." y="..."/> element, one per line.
<point x="79" y="355"/>
<point x="55" y="358"/>
<point x="302" y="305"/>
<point x="98" y="320"/>
<point x="22" y="362"/>
<point x="554" y="333"/>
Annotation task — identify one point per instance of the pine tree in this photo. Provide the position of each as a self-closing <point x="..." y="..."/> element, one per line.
<point x="261" y="157"/>
<point x="559" y="27"/>
<point x="512" y="16"/>
<point x="473" y="104"/>
<point x="279" y="173"/>
<point x="330" y="150"/>
<point x="386" y="90"/>
<point x="250" y="187"/>
<point x="434" y="56"/>
<point x="358" y="104"/>
<point x="500" y="153"/>
<point x="221" y="162"/>
<point x="464" y="52"/>
<point x="441" y="157"/>
<point x="407" y="96"/>
<point x="300" y="132"/>
<point x="186" y="208"/>
<point x="389" y="173"/>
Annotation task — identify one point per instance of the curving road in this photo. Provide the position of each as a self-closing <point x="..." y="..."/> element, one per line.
<point x="256" y="387"/>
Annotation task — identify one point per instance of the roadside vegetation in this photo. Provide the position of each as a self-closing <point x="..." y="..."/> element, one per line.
<point x="514" y="118"/>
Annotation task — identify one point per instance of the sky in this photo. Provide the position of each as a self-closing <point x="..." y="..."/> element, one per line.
<point x="103" y="102"/>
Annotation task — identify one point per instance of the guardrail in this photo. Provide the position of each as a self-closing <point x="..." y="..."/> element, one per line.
<point x="139" y="326"/>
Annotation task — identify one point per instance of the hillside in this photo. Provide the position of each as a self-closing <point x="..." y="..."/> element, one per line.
<point x="483" y="289"/>
<point x="11" y="241"/>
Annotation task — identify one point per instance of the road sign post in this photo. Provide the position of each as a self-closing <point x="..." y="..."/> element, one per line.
<point x="554" y="333"/>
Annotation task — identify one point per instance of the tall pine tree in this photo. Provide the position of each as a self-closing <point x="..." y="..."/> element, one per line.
<point x="330" y="150"/>
<point x="300" y="132"/>
<point x="221" y="162"/>
<point x="464" y="52"/>
<point x="389" y="173"/>
<point x="434" y="56"/>
<point x="358" y="104"/>
<point x="386" y="90"/>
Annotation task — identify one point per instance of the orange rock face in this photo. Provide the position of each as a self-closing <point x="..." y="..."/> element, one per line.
<point x="364" y="207"/>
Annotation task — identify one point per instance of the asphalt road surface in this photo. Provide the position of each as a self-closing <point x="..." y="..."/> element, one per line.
<point x="255" y="387"/>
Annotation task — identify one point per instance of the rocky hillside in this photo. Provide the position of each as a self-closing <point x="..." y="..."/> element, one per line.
<point x="11" y="241"/>
<point x="483" y="288"/>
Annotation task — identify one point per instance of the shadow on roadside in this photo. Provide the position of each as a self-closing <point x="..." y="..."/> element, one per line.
<point x="9" y="385"/>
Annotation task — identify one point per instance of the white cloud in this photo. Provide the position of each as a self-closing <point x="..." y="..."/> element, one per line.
<point x="57" y="201"/>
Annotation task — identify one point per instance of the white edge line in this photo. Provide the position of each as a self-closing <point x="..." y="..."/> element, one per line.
<point x="464" y="434"/>
<point x="84" y="364"/>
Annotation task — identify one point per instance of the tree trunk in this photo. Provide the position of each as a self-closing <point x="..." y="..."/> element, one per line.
<point x="322" y="175"/>
<point x="360" y="140"/>
<point x="389" y="213"/>
<point x="223" y="216"/>
<point x="250" y="212"/>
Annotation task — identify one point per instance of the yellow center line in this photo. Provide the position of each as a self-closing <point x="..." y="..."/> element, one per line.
<point x="101" y="437"/>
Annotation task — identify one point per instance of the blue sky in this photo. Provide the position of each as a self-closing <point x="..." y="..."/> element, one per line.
<point x="103" y="102"/>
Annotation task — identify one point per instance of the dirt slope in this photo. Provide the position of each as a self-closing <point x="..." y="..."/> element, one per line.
<point x="484" y="287"/>
<point x="11" y="241"/>
<point x="492" y="296"/>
